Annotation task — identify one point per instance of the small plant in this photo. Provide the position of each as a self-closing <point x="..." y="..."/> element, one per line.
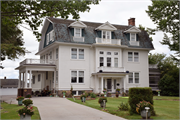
<point x="105" y="90"/>
<point x="28" y="95"/>
<point x="109" y="94"/>
<point x="83" y="96"/>
<point x="123" y="107"/>
<point x="27" y="102"/>
<point x="141" y="106"/>
<point x="26" y="110"/>
<point x="101" y="100"/>
<point x="93" y="95"/>
<point x="117" y="89"/>
<point x="20" y="98"/>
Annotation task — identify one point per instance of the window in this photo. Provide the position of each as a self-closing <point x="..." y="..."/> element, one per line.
<point x="115" y="62"/>
<point x="101" y="52"/>
<point x="39" y="78"/>
<point x="47" y="39"/>
<point x="136" y="77"/>
<point x="114" y="84"/>
<point x="136" y="57"/>
<point x="130" y="77"/>
<point x="56" y="76"/>
<point x="46" y="75"/>
<point x="73" y="76"/>
<point x="80" y="92"/>
<point x="133" y="36"/>
<point x="50" y="54"/>
<point x="133" y="56"/>
<point x="74" y="92"/>
<point x="57" y="53"/>
<point x="77" y="32"/>
<point x="101" y="61"/>
<point x="130" y="56"/>
<point x="77" y="53"/>
<point x="106" y="34"/>
<point x="74" y="53"/>
<point x="46" y="58"/>
<point x="52" y="77"/>
<point x="108" y="53"/>
<point x="81" y="53"/>
<point x="108" y="62"/>
<point x="115" y="53"/>
<point x="33" y="79"/>
<point x="81" y="76"/>
<point x="77" y="76"/>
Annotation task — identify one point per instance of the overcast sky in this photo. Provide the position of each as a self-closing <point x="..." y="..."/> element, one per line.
<point x="113" y="11"/>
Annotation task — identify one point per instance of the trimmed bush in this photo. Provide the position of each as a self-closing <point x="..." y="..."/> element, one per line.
<point x="123" y="107"/>
<point x="93" y="95"/>
<point x="139" y="94"/>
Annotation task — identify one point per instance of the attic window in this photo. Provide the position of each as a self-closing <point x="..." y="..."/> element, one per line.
<point x="77" y="32"/>
<point x="106" y="34"/>
<point x="133" y="36"/>
<point x="50" y="37"/>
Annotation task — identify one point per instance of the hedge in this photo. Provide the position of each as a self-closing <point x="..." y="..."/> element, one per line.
<point x="139" y="94"/>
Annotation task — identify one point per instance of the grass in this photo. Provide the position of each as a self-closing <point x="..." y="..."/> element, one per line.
<point x="10" y="111"/>
<point x="165" y="109"/>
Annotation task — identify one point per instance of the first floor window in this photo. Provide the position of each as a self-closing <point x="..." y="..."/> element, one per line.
<point x="73" y="76"/>
<point x="74" y="92"/>
<point x="39" y="77"/>
<point x="136" y="77"/>
<point x="101" y="61"/>
<point x="73" y="53"/>
<point x="130" y="77"/>
<point x="114" y="84"/>
<point x="81" y="76"/>
<point x="115" y="62"/>
<point x="52" y="77"/>
<point x="33" y="80"/>
<point x="108" y="62"/>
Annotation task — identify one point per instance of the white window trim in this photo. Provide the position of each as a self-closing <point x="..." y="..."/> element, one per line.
<point x="77" y="53"/>
<point x="135" y="36"/>
<point x="134" y="78"/>
<point x="105" y="34"/>
<point x="77" y="80"/>
<point x="75" y="32"/>
<point x="133" y="57"/>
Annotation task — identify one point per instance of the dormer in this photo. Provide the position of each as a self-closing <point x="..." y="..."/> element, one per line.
<point x="77" y="30"/>
<point x="106" y="30"/>
<point x="132" y="33"/>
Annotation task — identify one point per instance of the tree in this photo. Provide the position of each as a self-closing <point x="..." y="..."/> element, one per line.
<point x="14" y="13"/>
<point x="155" y="58"/>
<point x="166" y="15"/>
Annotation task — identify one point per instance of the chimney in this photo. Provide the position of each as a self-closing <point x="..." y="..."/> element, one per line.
<point x="131" y="21"/>
<point x="5" y="77"/>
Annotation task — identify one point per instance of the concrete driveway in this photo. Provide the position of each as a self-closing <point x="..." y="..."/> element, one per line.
<point x="52" y="108"/>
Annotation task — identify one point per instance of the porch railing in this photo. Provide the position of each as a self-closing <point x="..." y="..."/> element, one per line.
<point x="111" y="69"/>
<point x="37" y="61"/>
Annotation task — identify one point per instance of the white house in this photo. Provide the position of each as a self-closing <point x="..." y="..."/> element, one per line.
<point x="87" y="56"/>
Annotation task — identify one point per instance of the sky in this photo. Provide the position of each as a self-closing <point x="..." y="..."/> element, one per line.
<point x="113" y="11"/>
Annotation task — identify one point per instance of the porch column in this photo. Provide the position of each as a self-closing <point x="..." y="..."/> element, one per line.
<point x="23" y="81"/>
<point x="30" y="75"/>
<point x="125" y="83"/>
<point x="25" y="86"/>
<point x="54" y="79"/>
<point x="19" y="83"/>
<point x="102" y="85"/>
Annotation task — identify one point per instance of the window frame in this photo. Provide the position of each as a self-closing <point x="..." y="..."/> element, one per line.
<point x="134" y="78"/>
<point x="75" y="29"/>
<point x="78" y="53"/>
<point x="133" y="56"/>
<point x="39" y="77"/>
<point x="57" y="52"/>
<point x="109" y="62"/>
<point x="100" y="61"/>
<point x="115" y="62"/>
<point x="106" y="34"/>
<point x="56" y="77"/>
<point x="77" y="76"/>
<point x="131" y="37"/>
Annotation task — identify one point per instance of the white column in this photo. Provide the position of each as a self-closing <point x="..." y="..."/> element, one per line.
<point x="25" y="86"/>
<point x="23" y="81"/>
<point x="19" y="83"/>
<point x="54" y="79"/>
<point x="125" y="83"/>
<point x="30" y="77"/>
<point x="102" y="85"/>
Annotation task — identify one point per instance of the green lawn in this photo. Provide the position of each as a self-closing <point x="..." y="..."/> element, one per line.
<point x="165" y="109"/>
<point x="10" y="111"/>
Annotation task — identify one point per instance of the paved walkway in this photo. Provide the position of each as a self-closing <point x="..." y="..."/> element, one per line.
<point x="52" y="108"/>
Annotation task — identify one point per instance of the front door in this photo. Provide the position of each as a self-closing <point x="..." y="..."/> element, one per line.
<point x="109" y="89"/>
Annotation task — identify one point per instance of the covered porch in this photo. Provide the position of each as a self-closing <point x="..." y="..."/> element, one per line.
<point x="111" y="81"/>
<point x="33" y="76"/>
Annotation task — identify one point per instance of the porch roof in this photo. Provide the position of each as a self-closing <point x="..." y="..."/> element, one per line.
<point x="117" y="74"/>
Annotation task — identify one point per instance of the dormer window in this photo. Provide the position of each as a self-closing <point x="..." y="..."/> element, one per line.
<point x="50" y="37"/>
<point x="133" y="37"/>
<point x="106" y="34"/>
<point x="77" y="32"/>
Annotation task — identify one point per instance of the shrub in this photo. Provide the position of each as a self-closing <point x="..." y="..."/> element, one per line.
<point x="93" y="95"/>
<point x="123" y="106"/>
<point x="141" y="106"/>
<point x="27" y="102"/>
<point x="83" y="96"/>
<point x="20" y="98"/>
<point x="26" y="110"/>
<point x="101" y="99"/>
<point x="68" y="94"/>
<point x="109" y="94"/>
<point x="28" y="95"/>
<point x="139" y="94"/>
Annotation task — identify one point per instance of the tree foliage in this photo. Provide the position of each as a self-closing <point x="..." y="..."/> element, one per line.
<point x="32" y="13"/>
<point x="155" y="58"/>
<point x="166" y="15"/>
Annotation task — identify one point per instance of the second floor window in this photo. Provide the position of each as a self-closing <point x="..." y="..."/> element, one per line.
<point x="101" y="61"/>
<point x="133" y="56"/>
<point x="115" y="62"/>
<point x="108" y="62"/>
<point x="77" y="53"/>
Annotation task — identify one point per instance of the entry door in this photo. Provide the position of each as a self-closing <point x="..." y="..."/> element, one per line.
<point x="109" y="89"/>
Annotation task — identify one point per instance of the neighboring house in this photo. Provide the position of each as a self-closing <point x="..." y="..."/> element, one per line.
<point x="8" y="86"/>
<point x="154" y="76"/>
<point x="88" y="56"/>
